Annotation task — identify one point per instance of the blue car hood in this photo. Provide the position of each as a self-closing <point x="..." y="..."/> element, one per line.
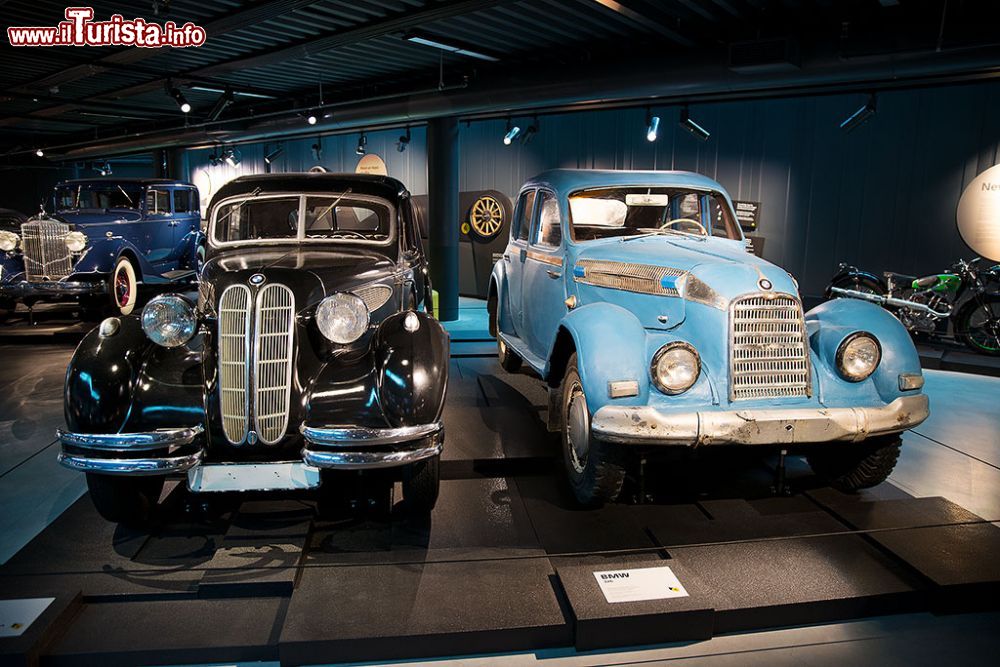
<point x="723" y="265"/>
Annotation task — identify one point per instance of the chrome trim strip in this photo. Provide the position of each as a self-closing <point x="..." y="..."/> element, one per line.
<point x="645" y="425"/>
<point x="348" y="436"/>
<point x="368" y="460"/>
<point x="640" y="278"/>
<point x="124" y="442"/>
<point x="51" y="287"/>
<point x="136" y="467"/>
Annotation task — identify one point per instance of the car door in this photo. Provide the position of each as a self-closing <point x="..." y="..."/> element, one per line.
<point x="542" y="287"/>
<point x="158" y="226"/>
<point x="185" y="220"/>
<point x="516" y="254"/>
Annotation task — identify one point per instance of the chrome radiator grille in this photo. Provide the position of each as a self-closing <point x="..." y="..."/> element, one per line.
<point x="643" y="278"/>
<point x="46" y="256"/>
<point x="273" y="361"/>
<point x="768" y="351"/>
<point x="234" y="361"/>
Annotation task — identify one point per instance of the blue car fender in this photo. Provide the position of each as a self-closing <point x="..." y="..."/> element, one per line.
<point x="103" y="254"/>
<point x="831" y="322"/>
<point x="498" y="284"/>
<point x="610" y="346"/>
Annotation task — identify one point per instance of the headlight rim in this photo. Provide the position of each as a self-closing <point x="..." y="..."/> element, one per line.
<point x="5" y="233"/>
<point x="76" y="234"/>
<point x="664" y="349"/>
<point x="361" y="333"/>
<point x="842" y="348"/>
<point x="162" y="297"/>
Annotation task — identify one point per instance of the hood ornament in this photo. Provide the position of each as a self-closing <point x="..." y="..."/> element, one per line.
<point x="257" y="279"/>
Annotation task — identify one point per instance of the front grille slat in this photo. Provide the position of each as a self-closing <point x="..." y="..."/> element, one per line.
<point x="275" y="319"/>
<point x="234" y="361"/>
<point x="768" y="351"/>
<point x="46" y="256"/>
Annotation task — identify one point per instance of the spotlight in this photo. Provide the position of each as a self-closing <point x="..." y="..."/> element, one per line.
<point x="860" y="116"/>
<point x="221" y="105"/>
<point x="403" y="141"/>
<point x="652" y="127"/>
<point x="512" y="132"/>
<point x="273" y="155"/>
<point x="39" y="152"/>
<point x="696" y="130"/>
<point x="104" y="169"/>
<point x="232" y="157"/>
<point x="182" y="102"/>
<point x="362" y="144"/>
<point x="528" y="133"/>
<point x="311" y="119"/>
<point x="317" y="150"/>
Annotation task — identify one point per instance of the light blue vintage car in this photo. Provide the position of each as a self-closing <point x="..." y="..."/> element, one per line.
<point x="633" y="296"/>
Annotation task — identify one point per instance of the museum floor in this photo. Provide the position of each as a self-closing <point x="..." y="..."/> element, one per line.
<point x="503" y="515"/>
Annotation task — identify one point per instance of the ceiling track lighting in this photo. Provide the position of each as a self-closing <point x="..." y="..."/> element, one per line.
<point x="696" y="130"/>
<point x="273" y="155"/>
<point x="435" y="43"/>
<point x="511" y="133"/>
<point x="39" y="152"/>
<point x="311" y="118"/>
<point x="652" y="127"/>
<point x="232" y="157"/>
<point x="403" y="141"/>
<point x="362" y="144"/>
<point x="178" y="96"/>
<point x="103" y="168"/>
<point x="529" y="132"/>
<point x="860" y="116"/>
<point x="221" y="105"/>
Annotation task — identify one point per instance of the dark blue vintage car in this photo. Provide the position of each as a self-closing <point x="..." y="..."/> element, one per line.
<point x="104" y="238"/>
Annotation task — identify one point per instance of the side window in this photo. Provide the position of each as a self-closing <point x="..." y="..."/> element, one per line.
<point x="157" y="201"/>
<point x="184" y="201"/>
<point x="549" y="233"/>
<point x="524" y="214"/>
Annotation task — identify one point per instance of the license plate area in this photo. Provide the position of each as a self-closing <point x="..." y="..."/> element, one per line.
<point x="217" y="477"/>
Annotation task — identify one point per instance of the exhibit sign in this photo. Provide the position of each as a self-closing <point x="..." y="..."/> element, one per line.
<point x="17" y="615"/>
<point x="637" y="585"/>
<point x="979" y="214"/>
<point x="371" y="164"/>
<point x="747" y="214"/>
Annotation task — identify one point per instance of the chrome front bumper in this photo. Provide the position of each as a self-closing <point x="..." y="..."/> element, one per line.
<point x="57" y="288"/>
<point x="644" y="425"/>
<point x="328" y="448"/>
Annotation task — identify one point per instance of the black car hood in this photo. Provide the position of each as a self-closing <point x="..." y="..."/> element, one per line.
<point x="311" y="274"/>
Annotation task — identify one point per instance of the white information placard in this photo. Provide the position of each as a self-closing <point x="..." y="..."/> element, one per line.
<point x="647" y="583"/>
<point x="17" y="615"/>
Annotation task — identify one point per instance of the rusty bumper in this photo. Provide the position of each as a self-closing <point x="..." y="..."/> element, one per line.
<point x="644" y="425"/>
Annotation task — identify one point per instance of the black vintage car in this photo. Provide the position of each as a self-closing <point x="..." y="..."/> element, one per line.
<point x="307" y="360"/>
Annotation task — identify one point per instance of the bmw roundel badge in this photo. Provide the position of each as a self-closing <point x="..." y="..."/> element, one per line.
<point x="763" y="282"/>
<point x="257" y="279"/>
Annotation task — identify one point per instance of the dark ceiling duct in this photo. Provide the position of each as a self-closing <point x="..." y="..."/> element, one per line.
<point x="679" y="81"/>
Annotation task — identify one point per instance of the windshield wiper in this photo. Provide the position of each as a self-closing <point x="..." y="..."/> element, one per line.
<point x="130" y="202"/>
<point x="253" y="195"/>
<point x="331" y="206"/>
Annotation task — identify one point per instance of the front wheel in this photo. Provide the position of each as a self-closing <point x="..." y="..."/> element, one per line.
<point x="127" y="500"/>
<point x="594" y="468"/>
<point x="421" y="485"/>
<point x="978" y="324"/>
<point x="124" y="287"/>
<point x="854" y="466"/>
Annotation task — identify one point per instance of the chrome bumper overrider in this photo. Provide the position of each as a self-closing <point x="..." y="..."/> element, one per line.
<point x="137" y="467"/>
<point x="20" y="290"/>
<point x="125" y="442"/>
<point x="101" y="443"/>
<point x="644" y="425"/>
<point x="338" y="446"/>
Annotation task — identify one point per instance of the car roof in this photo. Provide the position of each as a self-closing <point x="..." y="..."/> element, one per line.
<point x="323" y="183"/>
<point x="566" y="181"/>
<point x="133" y="180"/>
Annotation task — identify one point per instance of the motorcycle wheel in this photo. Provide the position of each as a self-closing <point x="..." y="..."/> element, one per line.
<point x="978" y="324"/>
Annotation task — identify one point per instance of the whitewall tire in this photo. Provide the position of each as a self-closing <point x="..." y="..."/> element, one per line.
<point x="124" y="287"/>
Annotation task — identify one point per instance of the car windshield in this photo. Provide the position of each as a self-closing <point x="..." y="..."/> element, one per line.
<point x="98" y="196"/>
<point x="632" y="211"/>
<point x="336" y="217"/>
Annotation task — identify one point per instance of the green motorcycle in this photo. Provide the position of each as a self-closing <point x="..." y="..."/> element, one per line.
<point x="963" y="302"/>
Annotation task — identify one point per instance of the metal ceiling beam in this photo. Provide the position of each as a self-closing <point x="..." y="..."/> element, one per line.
<point x="643" y="21"/>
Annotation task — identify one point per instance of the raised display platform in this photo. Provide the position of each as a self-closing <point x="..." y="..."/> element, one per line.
<point x="504" y="563"/>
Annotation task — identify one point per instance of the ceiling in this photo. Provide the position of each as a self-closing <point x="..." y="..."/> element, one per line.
<point x="281" y="58"/>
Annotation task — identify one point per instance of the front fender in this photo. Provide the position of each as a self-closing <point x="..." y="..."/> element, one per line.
<point x="412" y="368"/>
<point x="11" y="266"/>
<point x="610" y="345"/>
<point x="498" y="280"/>
<point x="831" y="322"/>
<point x="103" y="254"/>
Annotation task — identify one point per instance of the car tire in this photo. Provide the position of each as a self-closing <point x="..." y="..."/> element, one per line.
<point x="510" y="360"/>
<point x="595" y="469"/>
<point x="421" y="485"/>
<point x="852" y="467"/>
<point x="124" y="287"/>
<point x="125" y="500"/>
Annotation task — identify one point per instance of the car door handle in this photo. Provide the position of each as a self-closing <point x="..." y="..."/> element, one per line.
<point x="506" y="258"/>
<point x="553" y="274"/>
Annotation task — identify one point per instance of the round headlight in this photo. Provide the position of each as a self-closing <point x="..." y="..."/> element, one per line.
<point x="169" y="320"/>
<point x="8" y="240"/>
<point x="76" y="241"/>
<point x="675" y="367"/>
<point x="342" y="318"/>
<point x="858" y="356"/>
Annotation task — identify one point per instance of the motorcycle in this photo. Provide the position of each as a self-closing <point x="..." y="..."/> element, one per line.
<point x="963" y="302"/>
